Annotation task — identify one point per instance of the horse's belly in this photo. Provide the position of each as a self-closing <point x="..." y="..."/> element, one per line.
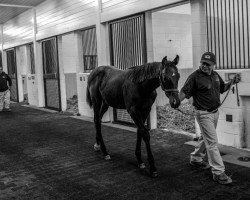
<point x="114" y="99"/>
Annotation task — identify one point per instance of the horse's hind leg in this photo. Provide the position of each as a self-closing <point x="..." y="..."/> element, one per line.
<point x="99" y="111"/>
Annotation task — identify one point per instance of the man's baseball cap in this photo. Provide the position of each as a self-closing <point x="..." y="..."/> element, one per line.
<point x="208" y="58"/>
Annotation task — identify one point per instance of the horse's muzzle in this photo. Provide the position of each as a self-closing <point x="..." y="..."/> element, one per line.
<point x="174" y="101"/>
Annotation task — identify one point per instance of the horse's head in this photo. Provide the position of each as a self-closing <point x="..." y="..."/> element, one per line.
<point x="169" y="77"/>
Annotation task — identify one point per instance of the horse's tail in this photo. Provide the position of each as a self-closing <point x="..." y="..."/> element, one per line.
<point x="95" y="75"/>
<point x="88" y="97"/>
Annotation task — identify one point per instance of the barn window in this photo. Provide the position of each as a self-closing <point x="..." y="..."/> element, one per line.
<point x="89" y="49"/>
<point x="228" y="32"/>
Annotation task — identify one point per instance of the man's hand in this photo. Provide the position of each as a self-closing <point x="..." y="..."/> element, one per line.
<point x="236" y="79"/>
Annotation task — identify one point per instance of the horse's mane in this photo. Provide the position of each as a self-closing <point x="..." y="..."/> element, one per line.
<point x="140" y="73"/>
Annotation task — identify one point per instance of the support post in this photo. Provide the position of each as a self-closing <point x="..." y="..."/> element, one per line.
<point x="199" y="30"/>
<point x="38" y="64"/>
<point x="2" y="41"/>
<point x="150" y="58"/>
<point x="103" y="50"/>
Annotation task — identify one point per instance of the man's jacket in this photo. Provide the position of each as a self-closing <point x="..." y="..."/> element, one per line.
<point x="4" y="78"/>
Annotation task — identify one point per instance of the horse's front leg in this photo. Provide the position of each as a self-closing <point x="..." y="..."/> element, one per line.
<point x="143" y="132"/>
<point x="146" y="138"/>
<point x="138" y="151"/>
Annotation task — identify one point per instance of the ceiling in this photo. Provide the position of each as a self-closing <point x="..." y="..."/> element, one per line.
<point x="12" y="10"/>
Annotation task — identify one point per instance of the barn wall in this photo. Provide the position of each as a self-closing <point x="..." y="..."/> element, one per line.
<point x="19" y="30"/>
<point x="53" y="18"/>
<point x="113" y="9"/>
<point x="234" y="133"/>
<point x="56" y="17"/>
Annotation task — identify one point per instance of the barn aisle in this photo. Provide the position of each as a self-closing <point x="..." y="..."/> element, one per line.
<point x="50" y="156"/>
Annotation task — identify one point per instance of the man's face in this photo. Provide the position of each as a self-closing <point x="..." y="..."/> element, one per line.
<point x="207" y="68"/>
<point x="1" y="70"/>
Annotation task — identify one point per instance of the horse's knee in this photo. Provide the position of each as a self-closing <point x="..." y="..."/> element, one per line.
<point x="145" y="135"/>
<point x="97" y="120"/>
<point x="138" y="152"/>
<point x="146" y="138"/>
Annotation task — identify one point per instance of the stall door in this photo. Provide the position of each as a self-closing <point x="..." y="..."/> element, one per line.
<point x="246" y="117"/>
<point x="128" y="48"/>
<point x="1" y="62"/>
<point x="51" y="74"/>
<point x="11" y="66"/>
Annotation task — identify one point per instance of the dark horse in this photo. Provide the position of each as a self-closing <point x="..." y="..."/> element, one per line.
<point x="134" y="90"/>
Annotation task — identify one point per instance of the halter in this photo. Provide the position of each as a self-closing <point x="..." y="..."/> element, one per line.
<point x="166" y="90"/>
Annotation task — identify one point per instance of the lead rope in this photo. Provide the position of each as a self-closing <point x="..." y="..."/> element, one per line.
<point x="237" y="94"/>
<point x="192" y="114"/>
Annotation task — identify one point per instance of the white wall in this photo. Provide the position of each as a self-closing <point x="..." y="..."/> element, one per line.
<point x="69" y="63"/>
<point x="69" y="53"/>
<point x="172" y="35"/>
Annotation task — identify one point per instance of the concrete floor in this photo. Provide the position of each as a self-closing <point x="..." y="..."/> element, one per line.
<point x="50" y="156"/>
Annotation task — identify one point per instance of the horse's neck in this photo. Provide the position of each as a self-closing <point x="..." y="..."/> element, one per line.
<point x="151" y="84"/>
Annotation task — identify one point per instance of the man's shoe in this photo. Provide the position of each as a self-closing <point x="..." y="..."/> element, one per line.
<point x="7" y="109"/>
<point x="222" y="179"/>
<point x="202" y="164"/>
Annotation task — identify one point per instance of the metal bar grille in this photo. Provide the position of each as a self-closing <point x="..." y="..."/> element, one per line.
<point x="51" y="77"/>
<point x="50" y="56"/>
<point x="127" y="50"/>
<point x="89" y="45"/>
<point x="90" y="62"/>
<point x="1" y="64"/>
<point x="32" y="61"/>
<point x="127" y="39"/>
<point x="11" y="63"/>
<point x="228" y="32"/>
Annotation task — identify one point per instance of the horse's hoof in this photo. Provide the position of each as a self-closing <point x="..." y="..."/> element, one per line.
<point x="142" y="166"/>
<point x="107" y="157"/>
<point x="154" y="174"/>
<point x="97" y="147"/>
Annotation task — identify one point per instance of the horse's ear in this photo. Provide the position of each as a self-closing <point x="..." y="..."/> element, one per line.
<point x="176" y="60"/>
<point x="164" y="61"/>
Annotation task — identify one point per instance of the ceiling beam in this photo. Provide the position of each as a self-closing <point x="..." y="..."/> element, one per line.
<point x="14" y="5"/>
